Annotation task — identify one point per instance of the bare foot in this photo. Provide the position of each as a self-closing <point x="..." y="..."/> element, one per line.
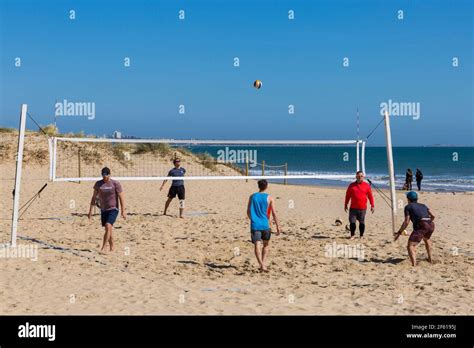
<point x="102" y="252"/>
<point x="351" y="237"/>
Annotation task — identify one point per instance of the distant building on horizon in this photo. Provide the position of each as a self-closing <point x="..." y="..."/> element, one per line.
<point x="117" y="135"/>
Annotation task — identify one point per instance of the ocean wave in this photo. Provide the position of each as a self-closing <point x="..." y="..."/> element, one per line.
<point x="430" y="183"/>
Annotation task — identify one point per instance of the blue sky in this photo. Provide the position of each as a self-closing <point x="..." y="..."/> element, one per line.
<point x="190" y="62"/>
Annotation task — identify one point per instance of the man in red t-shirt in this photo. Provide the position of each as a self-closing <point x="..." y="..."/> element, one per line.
<point x="357" y="193"/>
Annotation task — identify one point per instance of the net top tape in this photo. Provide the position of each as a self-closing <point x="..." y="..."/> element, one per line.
<point x="213" y="142"/>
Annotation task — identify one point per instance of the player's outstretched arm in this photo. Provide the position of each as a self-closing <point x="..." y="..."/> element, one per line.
<point x="403" y="227"/>
<point x="163" y="184"/>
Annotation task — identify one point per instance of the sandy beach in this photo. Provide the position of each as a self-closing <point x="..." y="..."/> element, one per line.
<point x="204" y="264"/>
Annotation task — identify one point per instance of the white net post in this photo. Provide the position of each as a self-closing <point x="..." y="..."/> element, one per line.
<point x="53" y="159"/>
<point x="362" y="160"/>
<point x="19" y="165"/>
<point x="357" y="156"/>
<point x="51" y="164"/>
<point x="391" y="171"/>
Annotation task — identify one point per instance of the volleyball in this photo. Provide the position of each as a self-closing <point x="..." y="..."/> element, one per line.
<point x="257" y="84"/>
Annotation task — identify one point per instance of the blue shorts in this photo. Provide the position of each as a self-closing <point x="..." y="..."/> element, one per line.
<point x="108" y="216"/>
<point x="260" y="235"/>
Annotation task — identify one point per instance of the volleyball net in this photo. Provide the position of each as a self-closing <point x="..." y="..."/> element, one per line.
<point x="81" y="159"/>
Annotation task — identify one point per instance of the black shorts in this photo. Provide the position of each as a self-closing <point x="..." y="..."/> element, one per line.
<point x="176" y="190"/>
<point x="357" y="214"/>
<point x="260" y="235"/>
<point x="108" y="216"/>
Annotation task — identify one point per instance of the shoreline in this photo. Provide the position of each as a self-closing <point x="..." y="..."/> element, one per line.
<point x="321" y="186"/>
<point x="329" y="186"/>
<point x="344" y="186"/>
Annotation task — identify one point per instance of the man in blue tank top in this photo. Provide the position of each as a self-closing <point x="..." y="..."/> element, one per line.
<point x="259" y="208"/>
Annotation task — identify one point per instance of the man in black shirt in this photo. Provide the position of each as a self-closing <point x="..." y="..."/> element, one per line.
<point x="177" y="187"/>
<point x="419" y="177"/>
<point x="423" y="226"/>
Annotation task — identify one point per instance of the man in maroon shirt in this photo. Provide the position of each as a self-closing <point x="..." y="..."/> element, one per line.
<point x="110" y="193"/>
<point x="357" y="193"/>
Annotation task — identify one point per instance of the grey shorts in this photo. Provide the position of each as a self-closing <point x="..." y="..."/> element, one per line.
<point x="260" y="235"/>
<point x="356" y="214"/>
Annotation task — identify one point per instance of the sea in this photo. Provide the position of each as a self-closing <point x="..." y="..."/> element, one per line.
<point x="448" y="169"/>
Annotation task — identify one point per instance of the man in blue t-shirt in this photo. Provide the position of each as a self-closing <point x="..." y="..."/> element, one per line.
<point x="177" y="187"/>
<point x="259" y="208"/>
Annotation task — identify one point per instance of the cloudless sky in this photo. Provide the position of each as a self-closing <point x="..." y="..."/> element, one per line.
<point x="190" y="62"/>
